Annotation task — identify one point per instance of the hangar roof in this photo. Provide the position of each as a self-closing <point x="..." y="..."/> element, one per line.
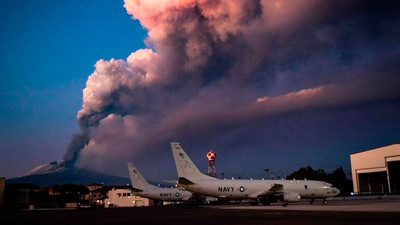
<point x="375" y="148"/>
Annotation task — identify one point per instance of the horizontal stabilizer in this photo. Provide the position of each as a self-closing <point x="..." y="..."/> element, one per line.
<point x="184" y="181"/>
<point x="170" y="181"/>
<point x="136" y="190"/>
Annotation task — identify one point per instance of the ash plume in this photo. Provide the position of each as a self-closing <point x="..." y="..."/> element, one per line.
<point x="212" y="66"/>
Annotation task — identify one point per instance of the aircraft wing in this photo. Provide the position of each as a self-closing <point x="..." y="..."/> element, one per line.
<point x="275" y="190"/>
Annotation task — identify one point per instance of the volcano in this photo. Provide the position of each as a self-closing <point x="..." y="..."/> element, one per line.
<point x="59" y="172"/>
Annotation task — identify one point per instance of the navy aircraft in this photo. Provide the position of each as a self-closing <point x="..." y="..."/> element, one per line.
<point x="143" y="189"/>
<point x="264" y="191"/>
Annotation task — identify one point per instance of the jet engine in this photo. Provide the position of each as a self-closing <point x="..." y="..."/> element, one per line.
<point x="291" y="197"/>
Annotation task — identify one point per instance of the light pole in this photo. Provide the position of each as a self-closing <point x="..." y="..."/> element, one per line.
<point x="267" y="170"/>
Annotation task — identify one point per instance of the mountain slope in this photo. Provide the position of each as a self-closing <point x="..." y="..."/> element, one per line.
<point x="56" y="173"/>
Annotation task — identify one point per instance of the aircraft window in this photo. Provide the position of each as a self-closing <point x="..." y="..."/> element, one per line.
<point x="305" y="187"/>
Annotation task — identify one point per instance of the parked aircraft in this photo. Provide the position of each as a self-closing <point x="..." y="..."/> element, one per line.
<point x="142" y="188"/>
<point x="265" y="191"/>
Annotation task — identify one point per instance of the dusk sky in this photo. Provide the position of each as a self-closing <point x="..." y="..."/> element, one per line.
<point x="265" y="84"/>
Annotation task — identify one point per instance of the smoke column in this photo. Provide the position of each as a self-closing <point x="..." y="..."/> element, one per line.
<point x="216" y="65"/>
<point x="176" y="64"/>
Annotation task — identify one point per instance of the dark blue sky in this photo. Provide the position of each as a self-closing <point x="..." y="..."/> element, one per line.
<point x="48" y="49"/>
<point x="273" y="85"/>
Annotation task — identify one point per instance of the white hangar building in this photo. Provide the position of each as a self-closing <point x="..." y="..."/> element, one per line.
<point x="376" y="170"/>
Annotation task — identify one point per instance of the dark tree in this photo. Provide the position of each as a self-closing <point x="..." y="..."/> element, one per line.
<point x="308" y="173"/>
<point x="337" y="178"/>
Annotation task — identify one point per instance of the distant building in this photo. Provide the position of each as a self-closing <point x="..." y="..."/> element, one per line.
<point x="21" y="196"/>
<point x="376" y="170"/>
<point x="125" y="198"/>
<point x="94" y="186"/>
<point x="49" y="198"/>
<point x="2" y="185"/>
<point x="48" y="190"/>
<point x="97" y="194"/>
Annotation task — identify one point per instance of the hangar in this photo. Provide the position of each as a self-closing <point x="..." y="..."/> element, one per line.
<point x="376" y="170"/>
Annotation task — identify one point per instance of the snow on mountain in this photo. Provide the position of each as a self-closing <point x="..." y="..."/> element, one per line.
<point x="58" y="172"/>
<point x="53" y="167"/>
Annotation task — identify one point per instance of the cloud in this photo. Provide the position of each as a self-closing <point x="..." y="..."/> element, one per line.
<point x="214" y="66"/>
<point x="362" y="91"/>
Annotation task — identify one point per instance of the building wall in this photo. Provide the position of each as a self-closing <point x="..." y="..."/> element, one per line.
<point x="125" y="198"/>
<point x="95" y="198"/>
<point x="2" y="185"/>
<point x="374" y="160"/>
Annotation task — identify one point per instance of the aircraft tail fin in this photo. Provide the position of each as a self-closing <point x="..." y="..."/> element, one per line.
<point x="137" y="180"/>
<point x="185" y="167"/>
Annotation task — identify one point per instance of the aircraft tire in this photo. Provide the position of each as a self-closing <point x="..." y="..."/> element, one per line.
<point x="254" y="203"/>
<point x="266" y="203"/>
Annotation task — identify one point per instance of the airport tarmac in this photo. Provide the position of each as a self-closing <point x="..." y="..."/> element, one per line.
<point x="363" y="205"/>
<point x="336" y="212"/>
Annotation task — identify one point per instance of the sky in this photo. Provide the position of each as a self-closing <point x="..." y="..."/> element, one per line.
<point x="48" y="49"/>
<point x="266" y="84"/>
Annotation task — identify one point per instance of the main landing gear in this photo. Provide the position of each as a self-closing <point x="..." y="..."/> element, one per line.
<point x="265" y="202"/>
<point x="324" y="201"/>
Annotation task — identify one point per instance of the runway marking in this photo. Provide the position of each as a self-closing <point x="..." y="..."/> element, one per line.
<point x="273" y="213"/>
<point x="343" y="206"/>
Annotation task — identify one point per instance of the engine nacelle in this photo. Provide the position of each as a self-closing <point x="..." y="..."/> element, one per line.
<point x="291" y="197"/>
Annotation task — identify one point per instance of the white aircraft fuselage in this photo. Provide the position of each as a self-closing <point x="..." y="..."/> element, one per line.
<point x="144" y="189"/>
<point x="164" y="194"/>
<point x="252" y="189"/>
<point x="193" y="180"/>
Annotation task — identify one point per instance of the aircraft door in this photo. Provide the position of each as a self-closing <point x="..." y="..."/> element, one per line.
<point x="326" y="189"/>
